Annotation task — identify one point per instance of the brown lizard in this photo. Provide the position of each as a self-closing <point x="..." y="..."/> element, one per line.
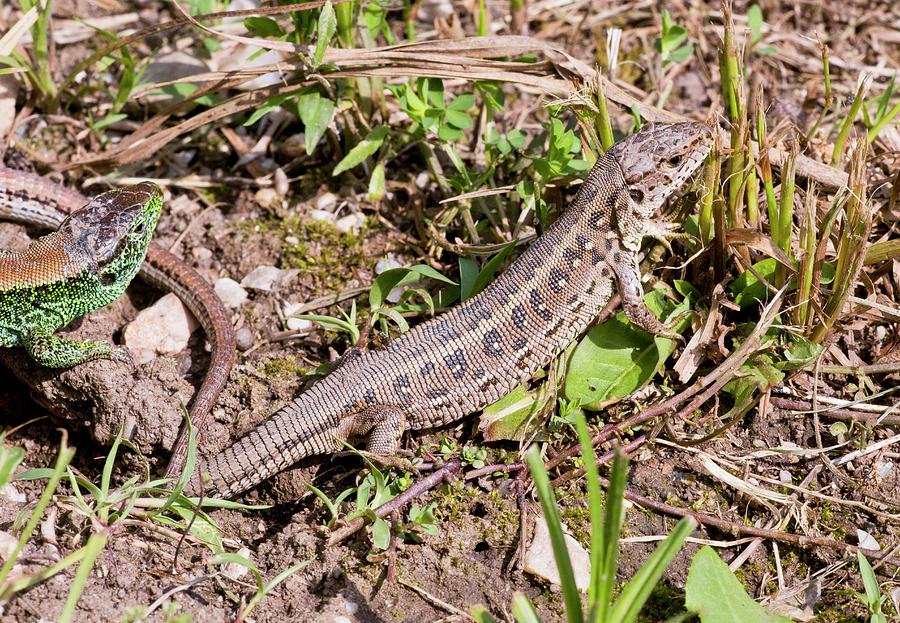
<point x="469" y="357"/>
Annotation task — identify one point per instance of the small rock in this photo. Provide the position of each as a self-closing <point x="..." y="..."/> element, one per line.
<point x="203" y="256"/>
<point x="295" y="324"/>
<point x="164" y="328"/>
<point x="326" y="201"/>
<point x="12" y="494"/>
<point x="267" y="278"/>
<point x="423" y="179"/>
<point x="785" y="476"/>
<point x="231" y="292"/>
<point x="267" y="198"/>
<point x="243" y="339"/>
<point x="281" y="182"/>
<point x="866" y="540"/>
<point x="539" y="557"/>
<point x="293" y="240"/>
<point x="7" y="545"/>
<point x="294" y="146"/>
<point x="322" y="215"/>
<point x="298" y="324"/>
<point x="350" y="223"/>
<point x="235" y="571"/>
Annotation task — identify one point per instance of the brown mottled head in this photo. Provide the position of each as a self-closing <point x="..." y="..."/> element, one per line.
<point x="657" y="160"/>
<point x="114" y="230"/>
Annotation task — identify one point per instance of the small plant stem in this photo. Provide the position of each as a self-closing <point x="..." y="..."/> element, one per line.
<point x="444" y="474"/>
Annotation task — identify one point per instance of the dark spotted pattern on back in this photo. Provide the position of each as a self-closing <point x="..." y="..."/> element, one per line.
<point x="519" y="317"/>
<point x="456" y="363"/>
<point x="519" y="343"/>
<point x="427" y="369"/>
<point x="538" y="305"/>
<point x="559" y="279"/>
<point x="493" y="346"/>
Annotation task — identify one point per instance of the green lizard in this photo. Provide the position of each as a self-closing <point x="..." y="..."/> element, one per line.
<point x="86" y="264"/>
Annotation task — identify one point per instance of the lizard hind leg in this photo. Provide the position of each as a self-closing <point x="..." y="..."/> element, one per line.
<point x="384" y="426"/>
<point x="56" y="352"/>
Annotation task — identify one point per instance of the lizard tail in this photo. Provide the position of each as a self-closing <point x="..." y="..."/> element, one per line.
<point x="299" y="429"/>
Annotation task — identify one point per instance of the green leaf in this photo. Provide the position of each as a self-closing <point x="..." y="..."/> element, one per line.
<point x="377" y="183"/>
<point x="268" y="106"/>
<point x="390" y="279"/>
<point x="365" y="148"/>
<point x="316" y="113"/>
<point x="10" y="457"/>
<point x="523" y="609"/>
<point x="613" y="360"/>
<point x="381" y="534"/>
<point x="458" y="119"/>
<point x="263" y="27"/>
<point x="326" y="29"/>
<point x="449" y="134"/>
<point x="748" y="289"/>
<point x="717" y="596"/>
<point x="468" y="273"/>
<point x="462" y="103"/>
<point x="755" y="22"/>
<point x="506" y="418"/>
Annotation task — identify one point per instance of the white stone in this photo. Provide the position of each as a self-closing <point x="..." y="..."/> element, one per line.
<point x="164" y="328"/>
<point x="866" y="540"/>
<point x="267" y="278"/>
<point x="7" y="545"/>
<point x="231" y="292"/>
<point x="350" y="223"/>
<point x="295" y="324"/>
<point x="235" y="571"/>
<point x="12" y="494"/>
<point x="539" y="557"/>
<point x="322" y="215"/>
<point x="326" y="201"/>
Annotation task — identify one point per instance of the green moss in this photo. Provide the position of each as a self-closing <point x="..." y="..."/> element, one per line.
<point x="316" y="248"/>
<point x="284" y="367"/>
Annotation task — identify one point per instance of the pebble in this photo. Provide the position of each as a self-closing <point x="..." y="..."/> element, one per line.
<point x="164" y="328"/>
<point x="295" y="324"/>
<point x="7" y="545"/>
<point x="243" y="339"/>
<point x="267" y="198"/>
<point x="326" y="201"/>
<point x="235" y="571"/>
<point x="231" y="292"/>
<point x="350" y="223"/>
<point x="267" y="278"/>
<point x="294" y="146"/>
<point x="539" y="559"/>
<point x="282" y="185"/>
<point x="322" y="215"/>
<point x="12" y="494"/>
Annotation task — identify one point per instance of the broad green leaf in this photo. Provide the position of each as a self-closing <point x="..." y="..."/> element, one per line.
<point x="462" y="103"/>
<point x="315" y="113"/>
<point x="490" y="268"/>
<point x="365" y="148"/>
<point x="747" y="289"/>
<point x="459" y="119"/>
<point x="381" y="534"/>
<point x="390" y="279"/>
<point x="263" y="27"/>
<point x="613" y="360"/>
<point x="468" y="273"/>
<point x="506" y="418"/>
<point x="799" y="354"/>
<point x="326" y="29"/>
<point x="717" y="596"/>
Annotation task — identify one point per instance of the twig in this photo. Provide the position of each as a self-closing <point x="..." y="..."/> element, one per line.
<point x="444" y="474"/>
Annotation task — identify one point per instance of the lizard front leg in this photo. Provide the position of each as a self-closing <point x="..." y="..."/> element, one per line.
<point x="629" y="278"/>
<point x="57" y="352"/>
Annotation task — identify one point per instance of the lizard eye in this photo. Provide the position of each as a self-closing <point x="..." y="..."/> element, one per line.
<point x="636" y="194"/>
<point x="140" y="228"/>
<point x="675" y="160"/>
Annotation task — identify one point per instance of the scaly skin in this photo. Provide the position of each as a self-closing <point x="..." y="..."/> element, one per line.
<point x="85" y="264"/>
<point x="469" y="357"/>
<point x="32" y="200"/>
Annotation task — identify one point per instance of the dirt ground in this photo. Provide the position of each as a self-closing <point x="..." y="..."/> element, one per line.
<point x="474" y="556"/>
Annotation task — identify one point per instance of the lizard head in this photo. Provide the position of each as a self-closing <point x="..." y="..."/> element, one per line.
<point x="114" y="231"/>
<point x="656" y="161"/>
